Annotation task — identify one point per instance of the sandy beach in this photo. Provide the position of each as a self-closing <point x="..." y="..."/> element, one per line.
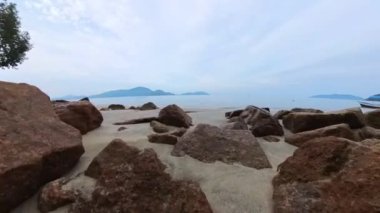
<point x="229" y="188"/>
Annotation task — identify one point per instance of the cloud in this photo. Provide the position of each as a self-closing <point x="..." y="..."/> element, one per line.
<point x="214" y="45"/>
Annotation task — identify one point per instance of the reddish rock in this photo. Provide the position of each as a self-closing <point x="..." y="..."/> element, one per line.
<point x="130" y="180"/>
<point x="261" y="122"/>
<point x="209" y="144"/>
<point x="80" y="114"/>
<point x="282" y="113"/>
<point x="53" y="195"/>
<point x="372" y="118"/>
<point x="299" y="122"/>
<point x="173" y="115"/>
<point x="338" y="130"/>
<point x="330" y="175"/>
<point x="35" y="145"/>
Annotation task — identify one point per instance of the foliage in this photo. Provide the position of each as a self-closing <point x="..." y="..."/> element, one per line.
<point x="13" y="43"/>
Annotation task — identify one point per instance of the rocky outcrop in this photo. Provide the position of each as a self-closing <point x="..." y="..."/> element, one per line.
<point x="116" y="107"/>
<point x="53" y="195"/>
<point x="261" y="122"/>
<point x="209" y="144"/>
<point x="299" y="122"/>
<point x="170" y="138"/>
<point x="330" y="175"/>
<point x="174" y="116"/>
<point x="310" y="110"/>
<point x="80" y="114"/>
<point x="148" y="106"/>
<point x="137" y="121"/>
<point x="130" y="180"/>
<point x="338" y="130"/>
<point x="282" y="113"/>
<point x="35" y="145"/>
<point x="372" y="118"/>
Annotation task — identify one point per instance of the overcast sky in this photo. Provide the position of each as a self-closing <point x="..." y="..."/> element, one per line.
<point x="290" y="47"/>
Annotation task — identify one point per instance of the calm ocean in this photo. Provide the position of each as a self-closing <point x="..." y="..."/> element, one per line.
<point x="231" y="101"/>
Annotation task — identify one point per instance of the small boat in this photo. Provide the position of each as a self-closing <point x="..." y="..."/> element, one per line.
<point x="370" y="104"/>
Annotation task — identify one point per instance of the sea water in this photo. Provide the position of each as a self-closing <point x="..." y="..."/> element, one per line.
<point x="230" y="101"/>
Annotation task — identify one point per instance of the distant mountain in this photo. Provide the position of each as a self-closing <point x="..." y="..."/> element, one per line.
<point x="137" y="91"/>
<point x="338" y="96"/>
<point x="195" y="93"/>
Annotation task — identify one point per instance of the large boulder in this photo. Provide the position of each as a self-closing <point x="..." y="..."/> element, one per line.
<point x="330" y="175"/>
<point x="148" y="106"/>
<point x="261" y="122"/>
<point x="131" y="180"/>
<point x="299" y="122"/>
<point x="80" y="114"/>
<point x="35" y="145"/>
<point x="372" y="118"/>
<point x="282" y="113"/>
<point x="173" y="115"/>
<point x="209" y="144"/>
<point x="338" y="130"/>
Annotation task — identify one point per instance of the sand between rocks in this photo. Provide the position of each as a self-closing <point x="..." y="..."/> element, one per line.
<point x="229" y="188"/>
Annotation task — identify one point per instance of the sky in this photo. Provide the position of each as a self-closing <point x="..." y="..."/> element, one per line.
<point x="287" y="48"/>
